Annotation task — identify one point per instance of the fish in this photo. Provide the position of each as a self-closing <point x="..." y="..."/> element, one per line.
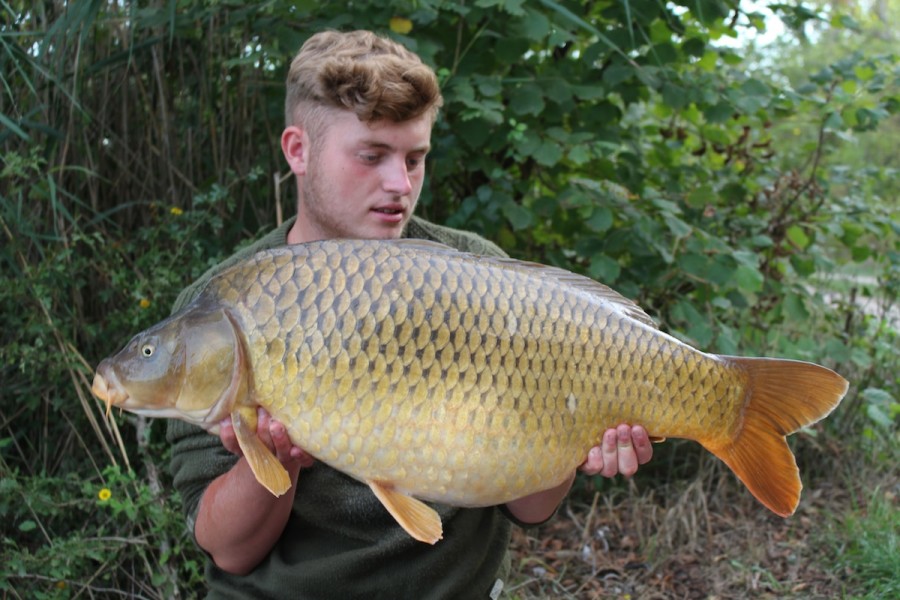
<point x="434" y="375"/>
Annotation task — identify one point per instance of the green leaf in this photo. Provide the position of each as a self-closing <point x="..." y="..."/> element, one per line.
<point x="795" y="307"/>
<point x="877" y="396"/>
<point x="579" y="154"/>
<point x="749" y="279"/>
<point x="797" y="236"/>
<point x="674" y="96"/>
<point x="694" y="264"/>
<point x="604" y="269"/>
<point x="519" y="216"/>
<point x="697" y="326"/>
<point x="878" y="416"/>
<point x="600" y="220"/>
<point x="528" y="99"/>
<point x="694" y="47"/>
<point x="664" y="53"/>
<point x="864" y="72"/>
<point x="548" y="154"/>
<point x="861" y="253"/>
<point x="27" y="525"/>
<point x="834" y="122"/>
<point x="721" y="270"/>
<point x="804" y="265"/>
<point x="616" y="74"/>
<point x="535" y="25"/>
<point x="719" y="113"/>
<point x="852" y="232"/>
<point x="558" y="90"/>
<point x="751" y="259"/>
<point x="701" y="196"/>
<point x="589" y="92"/>
<point x="761" y="241"/>
<point x="709" y="61"/>
<point x="751" y="96"/>
<point x="9" y="124"/>
<point x="678" y="227"/>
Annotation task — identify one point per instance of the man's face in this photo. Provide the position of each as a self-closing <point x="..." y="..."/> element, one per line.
<point x="361" y="180"/>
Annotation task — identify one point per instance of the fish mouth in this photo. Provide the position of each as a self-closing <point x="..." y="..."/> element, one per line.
<point x="110" y="391"/>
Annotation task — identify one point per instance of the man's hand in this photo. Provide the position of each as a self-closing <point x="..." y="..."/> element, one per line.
<point x="620" y="452"/>
<point x="273" y="435"/>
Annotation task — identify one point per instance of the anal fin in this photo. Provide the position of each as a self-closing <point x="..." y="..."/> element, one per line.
<point x="270" y="473"/>
<point x="418" y="519"/>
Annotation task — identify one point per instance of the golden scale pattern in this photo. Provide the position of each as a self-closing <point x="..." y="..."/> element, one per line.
<point x="437" y="372"/>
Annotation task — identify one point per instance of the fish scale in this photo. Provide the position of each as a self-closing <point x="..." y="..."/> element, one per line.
<point x="436" y="375"/>
<point x="434" y="369"/>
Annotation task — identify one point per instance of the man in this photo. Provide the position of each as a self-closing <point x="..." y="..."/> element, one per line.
<point x="359" y="113"/>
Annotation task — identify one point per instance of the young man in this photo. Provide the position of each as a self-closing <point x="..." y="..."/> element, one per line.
<point x="359" y="114"/>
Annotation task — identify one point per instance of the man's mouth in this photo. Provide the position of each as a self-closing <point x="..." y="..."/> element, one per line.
<point x="392" y="215"/>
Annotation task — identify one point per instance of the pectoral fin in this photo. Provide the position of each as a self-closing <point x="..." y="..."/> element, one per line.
<point x="417" y="518"/>
<point x="270" y="473"/>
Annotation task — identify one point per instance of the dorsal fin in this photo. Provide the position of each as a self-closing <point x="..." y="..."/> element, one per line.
<point x="426" y="245"/>
<point x="617" y="301"/>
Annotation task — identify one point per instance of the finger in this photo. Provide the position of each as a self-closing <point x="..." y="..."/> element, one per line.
<point x="263" y="424"/>
<point x="626" y="457"/>
<point x="226" y="435"/>
<point x="281" y="443"/>
<point x="610" y="454"/>
<point x="594" y="463"/>
<point x="642" y="445"/>
<point x="305" y="460"/>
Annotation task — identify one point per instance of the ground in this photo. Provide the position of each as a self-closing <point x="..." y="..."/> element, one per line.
<point x="701" y="541"/>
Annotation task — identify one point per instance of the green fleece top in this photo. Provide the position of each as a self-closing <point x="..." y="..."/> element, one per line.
<point x="339" y="541"/>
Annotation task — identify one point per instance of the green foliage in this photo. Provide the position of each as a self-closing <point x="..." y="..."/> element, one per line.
<point x="71" y="536"/>
<point x="866" y="547"/>
<point x="749" y="210"/>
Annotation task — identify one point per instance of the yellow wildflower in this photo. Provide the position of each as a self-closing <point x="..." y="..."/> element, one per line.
<point x="401" y="25"/>
<point x="104" y="494"/>
<point x="145" y="303"/>
<point x="176" y="211"/>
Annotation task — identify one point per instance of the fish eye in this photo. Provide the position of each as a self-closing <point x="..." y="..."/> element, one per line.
<point x="147" y="350"/>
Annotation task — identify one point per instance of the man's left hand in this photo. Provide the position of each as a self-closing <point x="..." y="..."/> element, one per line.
<point x="620" y="452"/>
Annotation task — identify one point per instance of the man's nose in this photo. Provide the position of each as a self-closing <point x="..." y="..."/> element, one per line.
<point x="396" y="178"/>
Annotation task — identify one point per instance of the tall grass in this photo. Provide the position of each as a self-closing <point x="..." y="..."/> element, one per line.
<point x="124" y="164"/>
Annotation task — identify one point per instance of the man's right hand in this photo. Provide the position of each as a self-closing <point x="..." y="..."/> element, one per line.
<point x="274" y="435"/>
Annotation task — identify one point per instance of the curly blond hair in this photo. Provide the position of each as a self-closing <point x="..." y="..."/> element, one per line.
<point x="375" y="77"/>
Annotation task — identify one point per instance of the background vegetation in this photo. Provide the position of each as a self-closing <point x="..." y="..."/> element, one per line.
<point x="747" y="197"/>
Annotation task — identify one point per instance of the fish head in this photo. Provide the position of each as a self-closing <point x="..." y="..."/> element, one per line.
<point x="187" y="367"/>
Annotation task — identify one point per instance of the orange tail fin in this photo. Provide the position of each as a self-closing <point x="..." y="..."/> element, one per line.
<point x="782" y="397"/>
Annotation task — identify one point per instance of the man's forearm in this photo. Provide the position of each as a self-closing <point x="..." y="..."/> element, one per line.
<point x="539" y="507"/>
<point x="239" y="521"/>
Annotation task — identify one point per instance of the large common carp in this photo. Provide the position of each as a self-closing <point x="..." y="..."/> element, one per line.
<point x="434" y="374"/>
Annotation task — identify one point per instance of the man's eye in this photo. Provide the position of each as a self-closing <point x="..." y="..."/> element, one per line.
<point x="369" y="158"/>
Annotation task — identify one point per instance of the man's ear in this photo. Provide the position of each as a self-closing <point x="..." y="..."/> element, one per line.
<point x="295" y="147"/>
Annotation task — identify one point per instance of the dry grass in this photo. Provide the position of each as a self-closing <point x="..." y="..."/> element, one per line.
<point x="707" y="539"/>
